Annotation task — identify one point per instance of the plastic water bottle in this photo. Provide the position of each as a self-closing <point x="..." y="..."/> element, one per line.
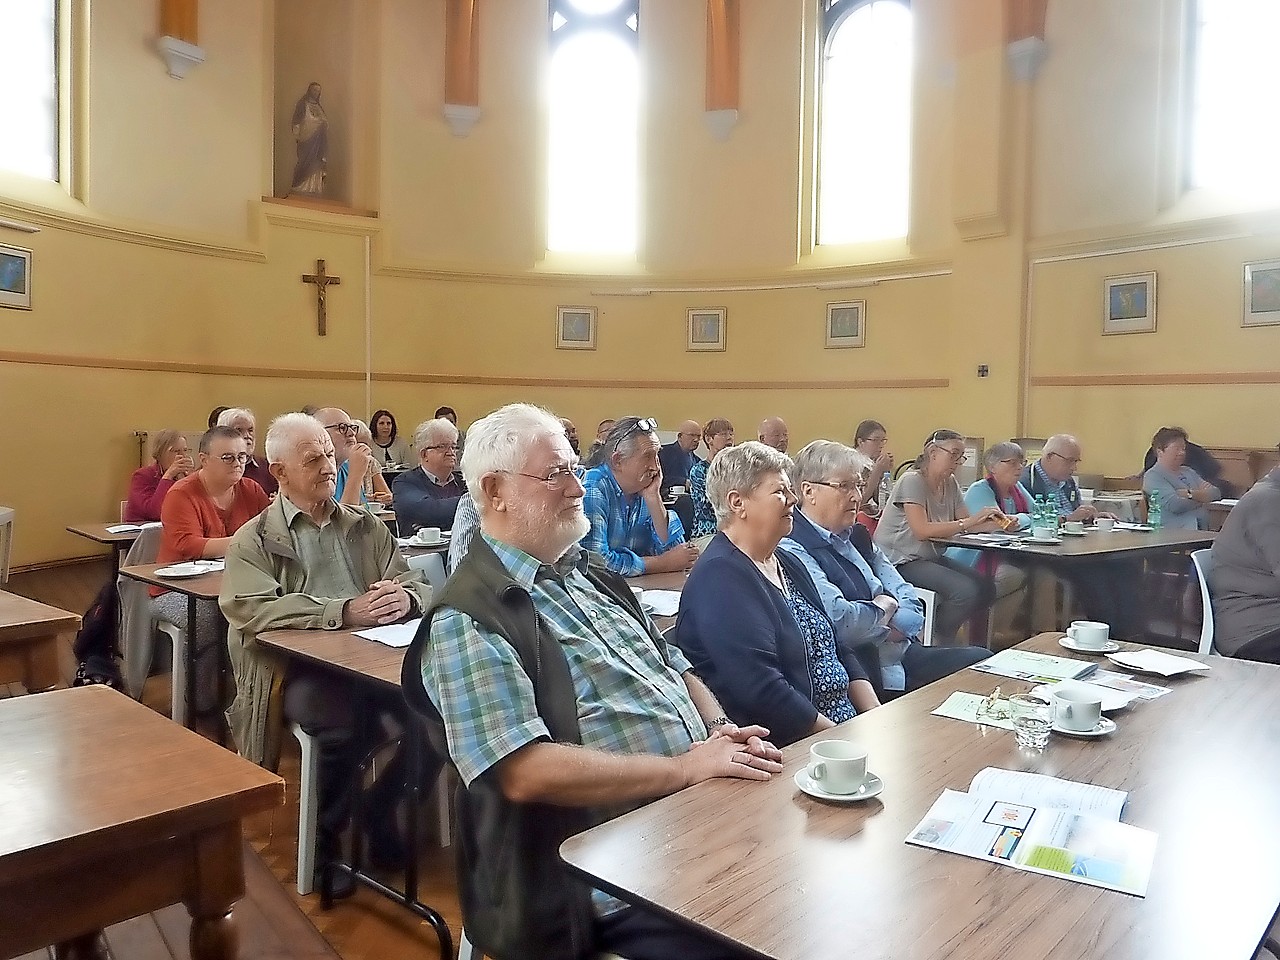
<point x="886" y="488"/>
<point x="1038" y="524"/>
<point x="1155" y="518"/>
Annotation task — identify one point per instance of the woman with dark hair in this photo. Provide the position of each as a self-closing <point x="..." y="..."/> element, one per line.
<point x="869" y="440"/>
<point x="926" y="503"/>
<point x="1184" y="494"/>
<point x="390" y="449"/>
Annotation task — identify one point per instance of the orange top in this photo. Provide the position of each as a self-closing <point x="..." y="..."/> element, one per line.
<point x="191" y="518"/>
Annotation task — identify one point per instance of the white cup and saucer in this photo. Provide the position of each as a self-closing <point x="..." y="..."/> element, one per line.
<point x="1073" y="528"/>
<point x="676" y="491"/>
<point x="1089" y="636"/>
<point x="1105" y="524"/>
<point x="837" y="771"/>
<point x="428" y="537"/>
<point x="1078" y="713"/>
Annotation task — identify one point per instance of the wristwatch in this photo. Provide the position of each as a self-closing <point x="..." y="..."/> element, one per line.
<point x="717" y="722"/>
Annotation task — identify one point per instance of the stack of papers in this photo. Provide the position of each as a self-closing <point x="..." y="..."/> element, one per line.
<point x="1045" y="825"/>
<point x="393" y="634"/>
<point x="131" y="527"/>
<point x="1153" y="661"/>
<point x="1037" y="667"/>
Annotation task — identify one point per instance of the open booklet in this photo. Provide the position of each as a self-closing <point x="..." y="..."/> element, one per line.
<point x="1044" y="825"/>
<point x="1037" y="667"/>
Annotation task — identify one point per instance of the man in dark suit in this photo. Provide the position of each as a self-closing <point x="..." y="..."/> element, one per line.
<point x="428" y="496"/>
<point x="677" y="456"/>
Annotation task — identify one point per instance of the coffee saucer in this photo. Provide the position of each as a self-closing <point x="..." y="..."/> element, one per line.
<point x="1047" y="541"/>
<point x="1104" y="727"/>
<point x="1109" y="647"/>
<point x="1075" y="533"/>
<point x="873" y="786"/>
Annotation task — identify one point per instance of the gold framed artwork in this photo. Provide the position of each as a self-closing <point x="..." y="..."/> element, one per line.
<point x="846" y="324"/>
<point x="15" y="277"/>
<point x="1261" y="293"/>
<point x="1129" y="304"/>
<point x="576" y="328"/>
<point x="706" y="328"/>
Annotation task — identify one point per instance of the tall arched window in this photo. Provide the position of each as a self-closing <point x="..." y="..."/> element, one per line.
<point x="29" y="77"/>
<point x="1233" y="142"/>
<point x="594" y="107"/>
<point x="864" y="123"/>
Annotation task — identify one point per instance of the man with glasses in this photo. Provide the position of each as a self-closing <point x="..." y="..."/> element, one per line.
<point x="773" y="433"/>
<point x="1053" y="477"/>
<point x="677" y="456"/>
<point x="429" y="495"/>
<point x="630" y="527"/>
<point x="559" y="703"/>
<point x="354" y="459"/>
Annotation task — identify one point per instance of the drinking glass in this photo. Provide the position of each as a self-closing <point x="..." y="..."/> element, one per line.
<point x="1030" y="720"/>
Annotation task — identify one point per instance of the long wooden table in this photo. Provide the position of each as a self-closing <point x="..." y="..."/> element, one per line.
<point x="1094" y="545"/>
<point x="785" y="876"/>
<point x="111" y="811"/>
<point x="29" y="634"/>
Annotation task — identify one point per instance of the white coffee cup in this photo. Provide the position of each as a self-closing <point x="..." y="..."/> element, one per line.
<point x="837" y="766"/>
<point x="1073" y="526"/>
<point x="677" y="491"/>
<point x="1076" y="710"/>
<point x="1105" y="524"/>
<point x="1089" y="634"/>
<point x="428" y="535"/>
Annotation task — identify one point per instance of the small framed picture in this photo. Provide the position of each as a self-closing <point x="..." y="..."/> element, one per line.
<point x="706" y="328"/>
<point x="575" y="328"/>
<point x="1129" y="304"/>
<point x="845" y="325"/>
<point x="15" y="277"/>
<point x="1261" y="293"/>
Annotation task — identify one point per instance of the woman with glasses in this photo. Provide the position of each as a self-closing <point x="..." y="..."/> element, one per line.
<point x="718" y="435"/>
<point x="751" y="620"/>
<point x="200" y="514"/>
<point x="926" y="504"/>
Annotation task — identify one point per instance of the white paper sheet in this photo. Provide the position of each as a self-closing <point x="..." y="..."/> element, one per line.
<point x="1036" y="667"/>
<point x="1153" y="661"/>
<point x="964" y="706"/>
<point x="125" y="528"/>
<point x="394" y="634"/>
<point x="1038" y="790"/>
<point x="661" y="603"/>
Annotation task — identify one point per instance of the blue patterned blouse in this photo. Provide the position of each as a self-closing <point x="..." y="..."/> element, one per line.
<point x="827" y="674"/>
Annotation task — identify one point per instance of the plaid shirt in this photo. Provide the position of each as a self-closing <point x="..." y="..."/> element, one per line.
<point x="621" y="527"/>
<point x="1064" y="493"/>
<point x="629" y="701"/>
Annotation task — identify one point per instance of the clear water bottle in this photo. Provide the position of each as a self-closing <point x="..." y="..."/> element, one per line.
<point x="886" y="488"/>
<point x="1155" y="517"/>
<point x="1038" y="524"/>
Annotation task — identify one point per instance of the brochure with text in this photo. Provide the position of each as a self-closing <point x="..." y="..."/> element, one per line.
<point x="1043" y="825"/>
<point x="1036" y="667"/>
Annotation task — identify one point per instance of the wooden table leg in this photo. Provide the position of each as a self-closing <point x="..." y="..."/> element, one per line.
<point x="88" y="947"/>
<point x="216" y="883"/>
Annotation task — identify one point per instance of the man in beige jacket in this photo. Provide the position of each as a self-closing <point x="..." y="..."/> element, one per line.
<point x="310" y="563"/>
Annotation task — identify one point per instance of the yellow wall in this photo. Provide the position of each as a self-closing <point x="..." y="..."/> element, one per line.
<point x="173" y="288"/>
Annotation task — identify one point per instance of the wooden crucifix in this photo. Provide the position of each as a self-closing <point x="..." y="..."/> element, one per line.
<point x="321" y="280"/>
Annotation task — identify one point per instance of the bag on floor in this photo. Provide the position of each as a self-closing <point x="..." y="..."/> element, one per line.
<point x="97" y="644"/>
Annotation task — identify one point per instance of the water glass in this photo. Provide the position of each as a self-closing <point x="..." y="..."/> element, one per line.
<point x="1031" y="720"/>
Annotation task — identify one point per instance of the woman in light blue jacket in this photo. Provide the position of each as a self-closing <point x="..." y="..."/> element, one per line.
<point x="1184" y="494"/>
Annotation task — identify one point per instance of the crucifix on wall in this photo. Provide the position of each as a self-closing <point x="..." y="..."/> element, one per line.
<point x="321" y="280"/>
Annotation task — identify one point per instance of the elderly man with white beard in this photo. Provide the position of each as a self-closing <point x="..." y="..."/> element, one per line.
<point x="559" y="703"/>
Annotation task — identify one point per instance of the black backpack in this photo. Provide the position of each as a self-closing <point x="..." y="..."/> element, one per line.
<point x="97" y="644"/>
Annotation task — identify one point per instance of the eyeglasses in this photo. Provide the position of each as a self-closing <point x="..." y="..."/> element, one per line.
<point x="442" y="446"/>
<point x="557" y="479"/>
<point x="993" y="707"/>
<point x="1074" y="461"/>
<point x="848" y="487"/>
<point x="1020" y="461"/>
<point x="346" y="429"/>
<point x="957" y="456"/>
<point x="233" y="458"/>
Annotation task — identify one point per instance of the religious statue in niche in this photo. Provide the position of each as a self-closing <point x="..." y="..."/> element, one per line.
<point x="311" y="132"/>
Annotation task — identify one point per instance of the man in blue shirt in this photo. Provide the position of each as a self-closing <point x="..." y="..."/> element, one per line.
<point x="353" y="458"/>
<point x="677" y="456"/>
<point x="630" y="527"/>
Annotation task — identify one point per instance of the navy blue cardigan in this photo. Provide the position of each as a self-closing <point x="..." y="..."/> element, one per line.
<point x="738" y="632"/>
<point x="420" y="503"/>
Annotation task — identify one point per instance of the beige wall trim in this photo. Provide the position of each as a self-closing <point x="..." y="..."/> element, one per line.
<point x="289" y="373"/>
<point x="1159" y="379"/>
<point x="1157" y="237"/>
<point x="58" y="564"/>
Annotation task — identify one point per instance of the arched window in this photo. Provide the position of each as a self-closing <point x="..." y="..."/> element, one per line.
<point x="594" y="118"/>
<point x="29" y="77"/>
<point x="1233" y="146"/>
<point x="864" y="122"/>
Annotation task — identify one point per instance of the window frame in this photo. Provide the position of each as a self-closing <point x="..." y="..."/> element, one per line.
<point x="59" y="174"/>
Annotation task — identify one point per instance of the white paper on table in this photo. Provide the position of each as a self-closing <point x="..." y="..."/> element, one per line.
<point x="661" y="603"/>
<point x="964" y="706"/>
<point x="1126" y="683"/>
<point x="1153" y="661"/>
<point x="1038" y="667"/>
<point x="1112" y="699"/>
<point x="1038" y="790"/>
<point x="1225" y="502"/>
<point x="125" y="528"/>
<point x="393" y="634"/>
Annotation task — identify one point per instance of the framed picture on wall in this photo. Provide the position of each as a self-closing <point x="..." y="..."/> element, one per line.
<point x="1129" y="303"/>
<point x="15" y="277"/>
<point x="1261" y="293"/>
<point x="845" y="324"/>
<point x="575" y="328"/>
<point x="706" y="328"/>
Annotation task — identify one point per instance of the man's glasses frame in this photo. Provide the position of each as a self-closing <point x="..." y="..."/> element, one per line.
<point x="346" y="429"/>
<point x="557" y="478"/>
<point x="848" y="487"/>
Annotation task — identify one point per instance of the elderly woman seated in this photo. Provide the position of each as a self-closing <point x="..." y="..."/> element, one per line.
<point x="751" y="620"/>
<point x="1184" y="494"/>
<point x="375" y="484"/>
<point x="865" y="597"/>
<point x="926" y="504"/>
<point x="718" y="434"/>
<point x="1000" y="488"/>
<point x="170" y="462"/>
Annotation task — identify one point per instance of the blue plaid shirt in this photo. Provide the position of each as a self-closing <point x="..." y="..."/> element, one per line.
<point x="1065" y="494"/>
<point x="629" y="700"/>
<point x="621" y="527"/>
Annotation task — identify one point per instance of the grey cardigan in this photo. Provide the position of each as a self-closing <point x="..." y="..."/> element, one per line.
<point x="1245" y="579"/>
<point x="1178" y="512"/>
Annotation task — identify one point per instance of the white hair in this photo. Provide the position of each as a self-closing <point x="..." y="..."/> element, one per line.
<point x="430" y="431"/>
<point x="501" y="442"/>
<point x="820" y="459"/>
<point x="288" y="430"/>
<point x="229" y="416"/>
<point x="1060" y="442"/>
<point x="999" y="452"/>
<point x="741" y="468"/>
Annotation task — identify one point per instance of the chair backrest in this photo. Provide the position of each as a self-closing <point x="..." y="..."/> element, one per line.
<point x="1203" y="562"/>
<point x="124" y="505"/>
<point x="137" y="616"/>
<point x="432" y="566"/>
<point x="930" y="601"/>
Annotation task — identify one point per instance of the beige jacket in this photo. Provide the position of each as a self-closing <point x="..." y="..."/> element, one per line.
<point x="265" y="588"/>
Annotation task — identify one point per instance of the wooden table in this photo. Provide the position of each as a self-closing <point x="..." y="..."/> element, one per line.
<point x="1094" y="545"/>
<point x="661" y="581"/>
<point x="790" y="877"/>
<point x="29" y="634"/>
<point x="112" y="811"/>
<point x="98" y="533"/>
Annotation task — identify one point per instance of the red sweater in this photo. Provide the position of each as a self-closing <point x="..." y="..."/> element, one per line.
<point x="191" y="518"/>
<point x="147" y="489"/>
